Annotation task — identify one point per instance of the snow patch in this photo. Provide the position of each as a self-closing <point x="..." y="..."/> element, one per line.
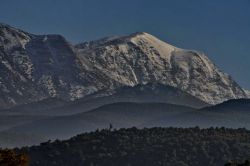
<point x="247" y="93"/>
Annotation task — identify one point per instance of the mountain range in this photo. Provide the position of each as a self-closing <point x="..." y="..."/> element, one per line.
<point x="37" y="67"/>
<point x="52" y="89"/>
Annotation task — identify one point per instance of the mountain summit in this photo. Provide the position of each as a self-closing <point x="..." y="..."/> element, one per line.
<point x="141" y="58"/>
<point x="36" y="67"/>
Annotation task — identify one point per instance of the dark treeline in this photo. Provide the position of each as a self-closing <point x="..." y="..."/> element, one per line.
<point x="237" y="163"/>
<point x="148" y="147"/>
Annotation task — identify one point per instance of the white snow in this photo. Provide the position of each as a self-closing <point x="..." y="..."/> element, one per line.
<point x="73" y="72"/>
<point x="248" y="93"/>
<point x="152" y="60"/>
<point x="45" y="38"/>
<point x="163" y="48"/>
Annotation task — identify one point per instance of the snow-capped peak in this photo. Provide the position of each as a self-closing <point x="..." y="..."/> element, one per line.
<point x="42" y="66"/>
<point x="142" y="58"/>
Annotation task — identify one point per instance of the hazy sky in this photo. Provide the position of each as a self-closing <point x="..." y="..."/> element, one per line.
<point x="220" y="28"/>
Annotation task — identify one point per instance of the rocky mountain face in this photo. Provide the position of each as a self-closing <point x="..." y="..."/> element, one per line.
<point x="142" y="58"/>
<point x="247" y="93"/>
<point x="36" y="67"/>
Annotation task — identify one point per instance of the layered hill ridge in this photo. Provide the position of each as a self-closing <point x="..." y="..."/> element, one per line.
<point x="148" y="93"/>
<point x="37" y="128"/>
<point x="36" y="67"/>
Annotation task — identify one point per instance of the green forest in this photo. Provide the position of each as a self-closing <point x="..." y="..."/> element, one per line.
<point x="147" y="147"/>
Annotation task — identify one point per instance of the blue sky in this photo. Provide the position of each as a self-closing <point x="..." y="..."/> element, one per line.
<point x="220" y="28"/>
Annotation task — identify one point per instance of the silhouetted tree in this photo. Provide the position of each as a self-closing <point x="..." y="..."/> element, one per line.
<point x="10" y="158"/>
